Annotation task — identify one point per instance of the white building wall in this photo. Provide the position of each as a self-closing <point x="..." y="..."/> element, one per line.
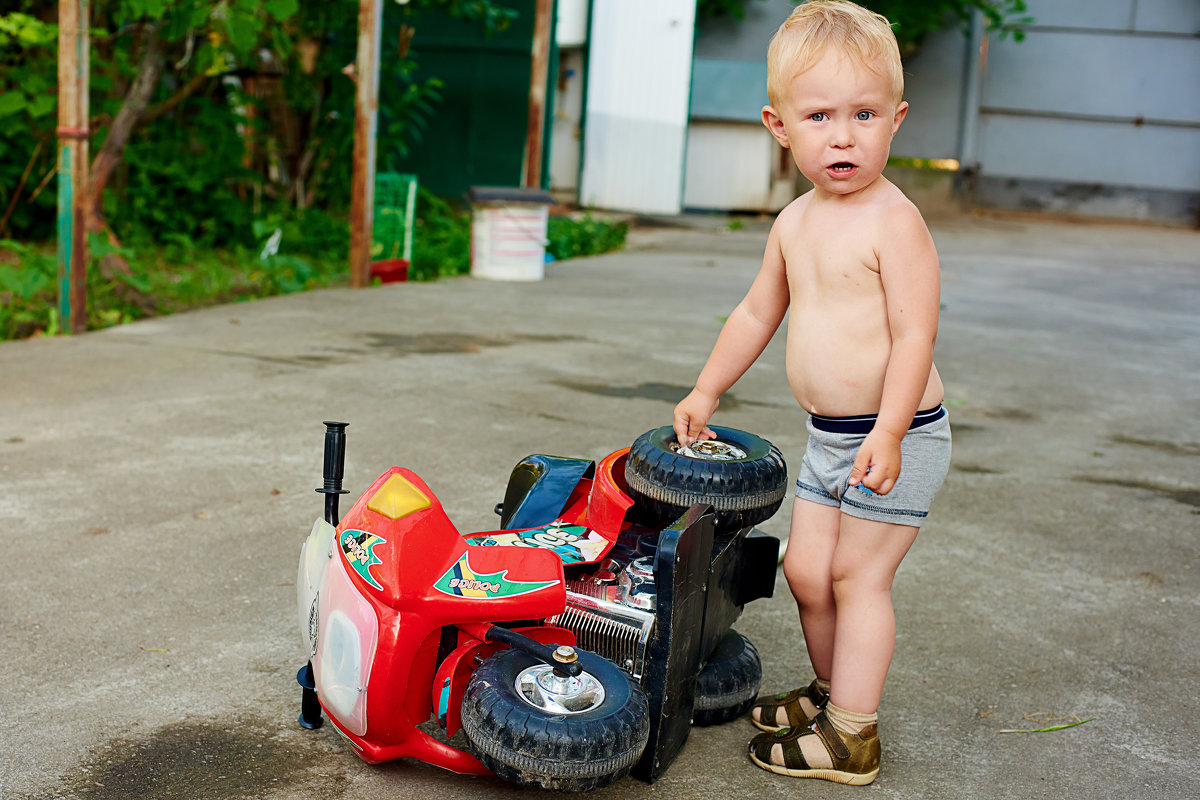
<point x="736" y="166"/>
<point x="636" y="111"/>
<point x="1097" y="111"/>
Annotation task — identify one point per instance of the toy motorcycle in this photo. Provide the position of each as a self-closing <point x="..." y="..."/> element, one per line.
<point x="573" y="645"/>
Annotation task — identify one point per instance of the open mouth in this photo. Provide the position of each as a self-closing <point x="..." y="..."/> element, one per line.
<point x="841" y="168"/>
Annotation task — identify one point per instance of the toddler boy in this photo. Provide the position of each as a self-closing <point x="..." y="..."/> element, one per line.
<point x="855" y="265"/>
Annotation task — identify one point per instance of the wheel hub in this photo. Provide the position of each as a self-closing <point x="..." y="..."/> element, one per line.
<point x="545" y="689"/>
<point x="711" y="450"/>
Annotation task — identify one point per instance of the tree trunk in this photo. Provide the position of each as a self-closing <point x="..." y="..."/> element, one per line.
<point x="149" y="72"/>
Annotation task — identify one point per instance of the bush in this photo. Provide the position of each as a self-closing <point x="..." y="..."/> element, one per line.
<point x="571" y="238"/>
<point x="441" y="241"/>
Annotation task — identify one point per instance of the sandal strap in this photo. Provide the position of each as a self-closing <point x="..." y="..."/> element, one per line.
<point x="833" y="742"/>
<point x="762" y="745"/>
<point x="790" y="703"/>
<point x="788" y="741"/>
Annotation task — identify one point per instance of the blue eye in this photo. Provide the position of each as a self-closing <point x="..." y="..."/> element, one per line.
<point x="818" y="117"/>
<point x="863" y="116"/>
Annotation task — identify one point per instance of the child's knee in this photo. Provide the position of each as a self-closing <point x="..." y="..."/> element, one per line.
<point x="808" y="581"/>
<point x="849" y="582"/>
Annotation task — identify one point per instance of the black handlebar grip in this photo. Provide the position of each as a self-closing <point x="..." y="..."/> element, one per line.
<point x="334" y="468"/>
<point x="335" y="455"/>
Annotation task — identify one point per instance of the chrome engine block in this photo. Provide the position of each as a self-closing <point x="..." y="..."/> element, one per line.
<point x="605" y="625"/>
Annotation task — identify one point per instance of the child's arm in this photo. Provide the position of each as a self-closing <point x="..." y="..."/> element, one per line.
<point x="908" y="268"/>
<point x="743" y="337"/>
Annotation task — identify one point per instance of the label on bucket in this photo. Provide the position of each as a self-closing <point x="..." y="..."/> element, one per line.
<point x="508" y="242"/>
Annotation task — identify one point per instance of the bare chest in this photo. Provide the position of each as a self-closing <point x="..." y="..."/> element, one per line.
<point x="828" y="260"/>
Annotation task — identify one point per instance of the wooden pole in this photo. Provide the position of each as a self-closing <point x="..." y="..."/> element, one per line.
<point x="73" y="64"/>
<point x="366" y="112"/>
<point x="543" y="29"/>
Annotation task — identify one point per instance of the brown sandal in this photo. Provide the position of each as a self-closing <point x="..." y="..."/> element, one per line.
<point x="765" y="715"/>
<point x="854" y="758"/>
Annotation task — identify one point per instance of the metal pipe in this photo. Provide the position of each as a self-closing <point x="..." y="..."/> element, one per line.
<point x="564" y="660"/>
<point x="973" y="94"/>
<point x="73" y="65"/>
<point x="543" y="30"/>
<point x="366" y="113"/>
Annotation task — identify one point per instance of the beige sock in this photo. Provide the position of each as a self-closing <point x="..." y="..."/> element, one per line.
<point x="823" y="685"/>
<point x="849" y="721"/>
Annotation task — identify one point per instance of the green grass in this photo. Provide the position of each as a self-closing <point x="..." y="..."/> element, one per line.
<point x="161" y="280"/>
<point x="165" y="279"/>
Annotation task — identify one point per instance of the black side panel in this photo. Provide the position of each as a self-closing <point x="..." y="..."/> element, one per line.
<point x="539" y="487"/>
<point x="681" y="569"/>
<point x="743" y="569"/>
<point x="757" y="562"/>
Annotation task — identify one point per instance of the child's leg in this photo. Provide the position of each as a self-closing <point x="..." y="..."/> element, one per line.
<point x="807" y="564"/>
<point x="863" y="566"/>
<point x="808" y="567"/>
<point x="842" y="744"/>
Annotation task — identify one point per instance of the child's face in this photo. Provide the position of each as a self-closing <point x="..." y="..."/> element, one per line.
<point x="838" y="118"/>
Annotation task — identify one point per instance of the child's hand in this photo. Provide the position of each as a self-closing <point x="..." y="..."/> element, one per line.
<point x="877" y="465"/>
<point x="692" y="416"/>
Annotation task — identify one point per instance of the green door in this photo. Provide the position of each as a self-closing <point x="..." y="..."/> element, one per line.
<point x="477" y="134"/>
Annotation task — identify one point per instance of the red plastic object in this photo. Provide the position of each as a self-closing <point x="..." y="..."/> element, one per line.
<point x="408" y="578"/>
<point x="409" y="570"/>
<point x="391" y="270"/>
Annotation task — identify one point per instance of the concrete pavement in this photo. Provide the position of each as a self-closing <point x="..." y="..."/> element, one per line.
<point x="156" y="481"/>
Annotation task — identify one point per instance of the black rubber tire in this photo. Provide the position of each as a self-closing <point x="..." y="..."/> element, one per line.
<point x="567" y="753"/>
<point x="728" y="685"/>
<point x="743" y="492"/>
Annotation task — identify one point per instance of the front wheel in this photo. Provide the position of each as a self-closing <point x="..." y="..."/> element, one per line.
<point x="529" y="726"/>
<point x="742" y="476"/>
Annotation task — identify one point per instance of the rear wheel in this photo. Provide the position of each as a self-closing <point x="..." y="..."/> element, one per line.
<point x="532" y="727"/>
<point x="742" y="476"/>
<point x="728" y="685"/>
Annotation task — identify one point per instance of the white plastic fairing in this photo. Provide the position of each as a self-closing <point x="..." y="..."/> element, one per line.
<point x="347" y="638"/>
<point x="315" y="555"/>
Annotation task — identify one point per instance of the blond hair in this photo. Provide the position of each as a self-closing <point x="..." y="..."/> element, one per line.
<point x="815" y="26"/>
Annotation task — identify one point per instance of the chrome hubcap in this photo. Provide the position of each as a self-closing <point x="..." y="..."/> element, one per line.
<point x="543" y="688"/>
<point x="711" y="450"/>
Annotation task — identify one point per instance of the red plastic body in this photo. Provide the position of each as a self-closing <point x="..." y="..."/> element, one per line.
<point x="420" y="575"/>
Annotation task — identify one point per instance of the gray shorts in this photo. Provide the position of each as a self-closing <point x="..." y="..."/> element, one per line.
<point x="832" y="445"/>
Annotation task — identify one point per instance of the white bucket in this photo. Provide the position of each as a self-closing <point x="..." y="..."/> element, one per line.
<point x="508" y="240"/>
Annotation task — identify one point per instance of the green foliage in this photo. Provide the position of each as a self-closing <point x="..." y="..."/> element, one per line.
<point x="709" y="9"/>
<point x="27" y="290"/>
<point x="252" y="113"/>
<point x="28" y="114"/>
<point x="913" y="21"/>
<point x="185" y="177"/>
<point x="442" y="239"/>
<point x="572" y="238"/>
<point x="248" y="130"/>
<point x="170" y="277"/>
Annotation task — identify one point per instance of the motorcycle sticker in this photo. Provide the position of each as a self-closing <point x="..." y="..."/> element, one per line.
<point x="574" y="544"/>
<point x="462" y="581"/>
<point x="359" y="549"/>
<point x="314" y="621"/>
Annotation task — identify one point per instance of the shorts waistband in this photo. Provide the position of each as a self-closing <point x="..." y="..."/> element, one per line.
<point x="865" y="422"/>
